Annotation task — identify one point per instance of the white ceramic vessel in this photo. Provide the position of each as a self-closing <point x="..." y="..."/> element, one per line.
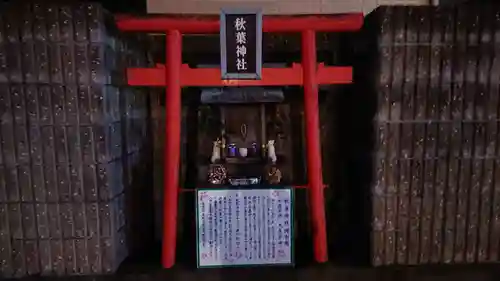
<point x="243" y="151"/>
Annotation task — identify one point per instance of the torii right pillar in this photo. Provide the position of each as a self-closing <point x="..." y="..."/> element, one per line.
<point x="313" y="147"/>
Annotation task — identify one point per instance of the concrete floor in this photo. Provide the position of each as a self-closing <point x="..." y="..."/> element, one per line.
<point x="311" y="273"/>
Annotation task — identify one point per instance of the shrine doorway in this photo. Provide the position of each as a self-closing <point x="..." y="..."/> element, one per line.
<point x="248" y="121"/>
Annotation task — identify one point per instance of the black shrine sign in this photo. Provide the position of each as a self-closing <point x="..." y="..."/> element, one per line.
<point x="241" y="44"/>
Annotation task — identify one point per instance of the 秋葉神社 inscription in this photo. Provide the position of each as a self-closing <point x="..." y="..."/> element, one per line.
<point x="241" y="44"/>
<point x="237" y="227"/>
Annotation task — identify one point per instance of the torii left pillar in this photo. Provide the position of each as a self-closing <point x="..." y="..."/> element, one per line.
<point x="172" y="145"/>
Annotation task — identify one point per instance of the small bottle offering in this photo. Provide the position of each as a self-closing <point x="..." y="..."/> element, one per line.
<point x="231" y="150"/>
<point x="255" y="149"/>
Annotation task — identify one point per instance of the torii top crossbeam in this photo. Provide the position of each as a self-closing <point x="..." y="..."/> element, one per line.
<point x="190" y="25"/>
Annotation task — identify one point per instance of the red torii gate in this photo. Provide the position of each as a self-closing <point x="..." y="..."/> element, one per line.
<point x="175" y="75"/>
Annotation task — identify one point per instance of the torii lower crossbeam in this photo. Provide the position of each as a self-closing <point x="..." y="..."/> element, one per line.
<point x="211" y="77"/>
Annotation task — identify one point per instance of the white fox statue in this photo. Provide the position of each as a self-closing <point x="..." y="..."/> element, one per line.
<point x="271" y="151"/>
<point x="215" y="151"/>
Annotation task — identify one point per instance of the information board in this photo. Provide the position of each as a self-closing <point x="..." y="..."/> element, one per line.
<point x="238" y="227"/>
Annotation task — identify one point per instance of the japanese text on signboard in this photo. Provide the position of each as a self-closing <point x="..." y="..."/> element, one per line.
<point x="241" y="41"/>
<point x="241" y="46"/>
<point x="244" y="227"/>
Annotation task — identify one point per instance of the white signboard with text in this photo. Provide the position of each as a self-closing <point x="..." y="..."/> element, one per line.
<point x="237" y="227"/>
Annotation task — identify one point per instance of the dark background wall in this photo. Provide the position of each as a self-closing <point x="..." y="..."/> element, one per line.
<point x="115" y="6"/>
